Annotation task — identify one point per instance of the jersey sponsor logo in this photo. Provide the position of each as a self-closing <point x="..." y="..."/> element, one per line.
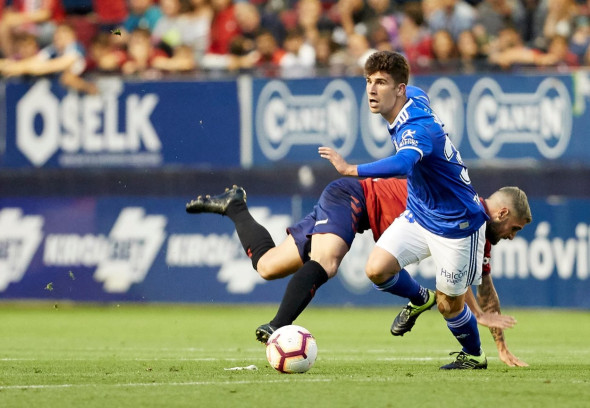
<point x="447" y="101"/>
<point x="452" y="277"/>
<point x="496" y="118"/>
<point x="20" y="236"/>
<point x="87" y="129"/>
<point x="121" y="259"/>
<point x="407" y="139"/>
<point x="284" y="120"/>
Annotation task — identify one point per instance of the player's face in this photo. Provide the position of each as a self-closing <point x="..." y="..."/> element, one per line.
<point x="384" y="95"/>
<point x="503" y="226"/>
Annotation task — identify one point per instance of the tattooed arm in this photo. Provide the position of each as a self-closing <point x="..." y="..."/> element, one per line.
<point x="488" y="298"/>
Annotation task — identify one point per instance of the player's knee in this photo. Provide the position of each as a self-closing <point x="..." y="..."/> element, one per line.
<point x="375" y="274"/>
<point x="267" y="270"/>
<point x="328" y="264"/>
<point x="448" y="306"/>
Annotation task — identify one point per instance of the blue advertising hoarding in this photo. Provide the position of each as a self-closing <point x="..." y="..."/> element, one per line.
<point x="252" y="122"/>
<point x="490" y="118"/>
<point x="149" y="249"/>
<point x="128" y="124"/>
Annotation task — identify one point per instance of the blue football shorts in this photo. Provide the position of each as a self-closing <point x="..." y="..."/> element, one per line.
<point x="341" y="210"/>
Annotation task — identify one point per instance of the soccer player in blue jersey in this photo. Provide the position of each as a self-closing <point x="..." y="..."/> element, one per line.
<point x="444" y="217"/>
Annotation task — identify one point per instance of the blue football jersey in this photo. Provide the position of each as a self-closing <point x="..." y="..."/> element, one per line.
<point x="440" y="194"/>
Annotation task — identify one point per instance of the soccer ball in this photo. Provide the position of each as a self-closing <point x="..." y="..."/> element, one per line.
<point x="291" y="349"/>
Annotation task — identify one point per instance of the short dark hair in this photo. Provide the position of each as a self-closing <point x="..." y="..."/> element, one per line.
<point x="390" y="62"/>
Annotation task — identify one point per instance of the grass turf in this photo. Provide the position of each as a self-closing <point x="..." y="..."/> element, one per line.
<point x="176" y="355"/>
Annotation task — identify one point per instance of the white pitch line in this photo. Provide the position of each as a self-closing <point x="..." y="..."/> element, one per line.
<point x="174" y="384"/>
<point x="244" y="382"/>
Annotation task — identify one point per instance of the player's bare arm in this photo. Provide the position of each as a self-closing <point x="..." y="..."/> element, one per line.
<point x="341" y="165"/>
<point x="488" y="319"/>
<point x="488" y="298"/>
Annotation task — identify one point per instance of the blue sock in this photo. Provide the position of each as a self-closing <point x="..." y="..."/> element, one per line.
<point x="402" y="284"/>
<point x="464" y="328"/>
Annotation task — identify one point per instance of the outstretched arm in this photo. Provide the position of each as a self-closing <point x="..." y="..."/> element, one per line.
<point x="399" y="164"/>
<point x="341" y="165"/>
<point x="488" y="298"/>
<point x="488" y="319"/>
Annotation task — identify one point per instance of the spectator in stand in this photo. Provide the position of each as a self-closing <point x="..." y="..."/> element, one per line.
<point x="199" y="20"/>
<point x="25" y="46"/>
<point x="580" y="39"/>
<point x="471" y="59"/>
<point x="329" y="56"/>
<point x="558" y="55"/>
<point x="445" y="53"/>
<point x="455" y="16"/>
<point x="300" y="58"/>
<point x="110" y="14"/>
<point x="148" y="61"/>
<point x="356" y="16"/>
<point x="39" y="18"/>
<point x="224" y="30"/>
<point x="64" y="57"/>
<point x="359" y="49"/>
<point x="169" y="31"/>
<point x="104" y="55"/>
<point x="143" y="14"/>
<point x="493" y="15"/>
<point x="270" y="57"/>
<point x="311" y="18"/>
<point x="530" y="21"/>
<point x="512" y="52"/>
<point x="553" y="17"/>
<point x="560" y="18"/>
<point x="224" y="27"/>
<point x="351" y="14"/>
<point x="508" y="48"/>
<point x="250" y="20"/>
<point x="414" y="39"/>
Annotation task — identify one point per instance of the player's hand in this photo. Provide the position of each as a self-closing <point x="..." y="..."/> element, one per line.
<point x="337" y="161"/>
<point x="495" y="320"/>
<point x="508" y="358"/>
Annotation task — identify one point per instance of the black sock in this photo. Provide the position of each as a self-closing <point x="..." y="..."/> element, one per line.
<point x="255" y="239"/>
<point x="300" y="290"/>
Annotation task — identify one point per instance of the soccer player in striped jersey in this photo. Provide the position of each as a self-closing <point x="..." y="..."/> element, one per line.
<point x="444" y="217"/>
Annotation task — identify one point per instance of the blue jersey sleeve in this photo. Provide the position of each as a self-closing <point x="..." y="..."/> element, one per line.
<point x="399" y="164"/>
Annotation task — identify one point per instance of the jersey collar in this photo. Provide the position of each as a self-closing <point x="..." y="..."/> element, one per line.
<point x="402" y="115"/>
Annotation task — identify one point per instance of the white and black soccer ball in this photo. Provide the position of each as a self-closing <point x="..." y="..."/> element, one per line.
<point x="291" y="349"/>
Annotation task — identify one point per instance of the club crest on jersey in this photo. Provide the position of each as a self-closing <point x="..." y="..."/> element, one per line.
<point x="408" y="138"/>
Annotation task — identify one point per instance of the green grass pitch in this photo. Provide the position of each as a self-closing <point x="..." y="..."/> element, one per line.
<point x="73" y="355"/>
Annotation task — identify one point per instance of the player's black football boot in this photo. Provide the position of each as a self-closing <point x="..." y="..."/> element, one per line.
<point x="466" y="361"/>
<point x="405" y="320"/>
<point x="263" y="332"/>
<point x="216" y="204"/>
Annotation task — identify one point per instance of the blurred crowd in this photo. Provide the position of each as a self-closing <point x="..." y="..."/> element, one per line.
<point x="290" y="38"/>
